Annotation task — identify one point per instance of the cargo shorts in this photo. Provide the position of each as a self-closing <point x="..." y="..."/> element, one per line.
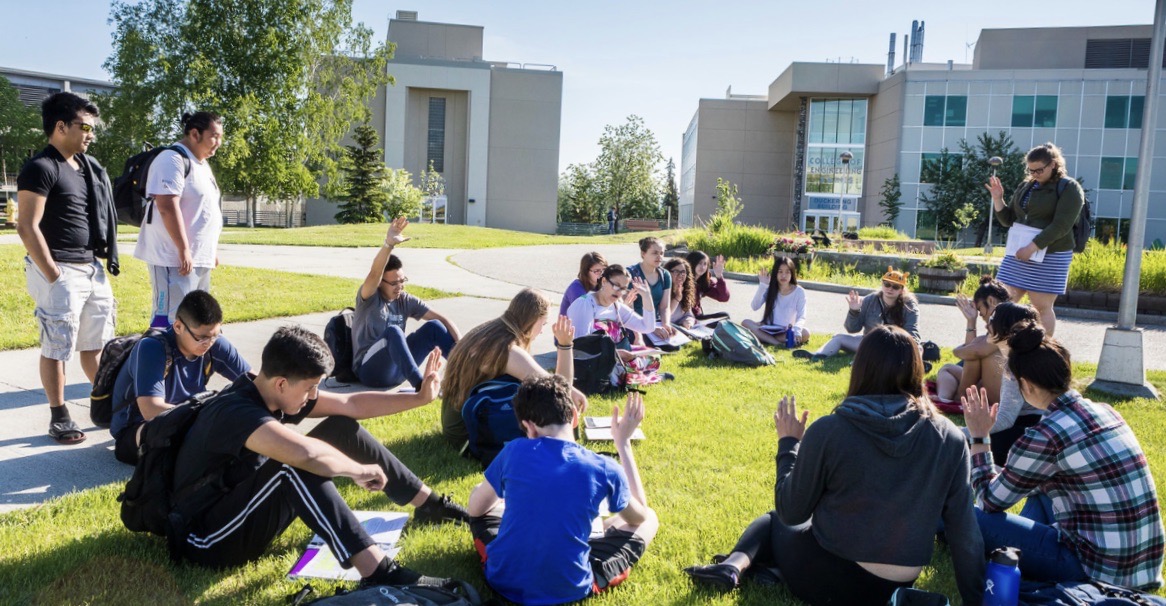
<point x="77" y="312"/>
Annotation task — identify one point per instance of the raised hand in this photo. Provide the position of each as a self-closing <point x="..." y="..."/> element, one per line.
<point x="763" y="276"/>
<point x="563" y="330"/>
<point x="430" y="384"/>
<point x="979" y="415"/>
<point x="393" y="237"/>
<point x="719" y="267"/>
<point x="854" y="301"/>
<point x="786" y="421"/>
<point x="995" y="188"/>
<point x="966" y="307"/>
<point x="641" y="288"/>
<point x="623" y="428"/>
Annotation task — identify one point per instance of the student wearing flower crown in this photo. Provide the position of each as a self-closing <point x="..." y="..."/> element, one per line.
<point x="892" y="304"/>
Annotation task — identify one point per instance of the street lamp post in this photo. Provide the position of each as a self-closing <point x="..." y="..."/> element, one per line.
<point x="994" y="161"/>
<point x="846" y="157"/>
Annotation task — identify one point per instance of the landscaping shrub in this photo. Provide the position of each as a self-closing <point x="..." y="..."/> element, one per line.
<point x="881" y="232"/>
<point x="732" y="240"/>
<point x="1101" y="268"/>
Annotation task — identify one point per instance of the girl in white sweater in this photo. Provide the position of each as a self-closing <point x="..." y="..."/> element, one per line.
<point x="784" y="301"/>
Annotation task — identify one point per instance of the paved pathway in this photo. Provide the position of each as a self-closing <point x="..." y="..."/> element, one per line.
<point x="33" y="468"/>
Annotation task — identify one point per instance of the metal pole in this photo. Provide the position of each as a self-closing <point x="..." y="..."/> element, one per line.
<point x="1127" y="311"/>
<point x="1121" y="370"/>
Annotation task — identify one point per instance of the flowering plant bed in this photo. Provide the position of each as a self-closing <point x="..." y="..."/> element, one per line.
<point x="798" y="243"/>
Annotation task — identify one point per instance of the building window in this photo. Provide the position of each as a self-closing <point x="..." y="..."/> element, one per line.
<point x="1118" y="173"/>
<point x="950" y="110"/>
<point x="1124" y="111"/>
<point x="926" y="225"/>
<point x="835" y="126"/>
<point x="931" y="167"/>
<point x="435" y="149"/>
<point x="1034" y="111"/>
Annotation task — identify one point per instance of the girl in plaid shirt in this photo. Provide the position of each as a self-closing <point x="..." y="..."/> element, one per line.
<point x="1092" y="509"/>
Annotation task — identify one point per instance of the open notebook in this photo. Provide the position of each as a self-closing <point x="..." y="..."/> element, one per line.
<point x="598" y="429"/>
<point x="318" y="562"/>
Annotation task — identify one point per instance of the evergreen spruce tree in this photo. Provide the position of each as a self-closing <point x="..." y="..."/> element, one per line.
<point x="364" y="198"/>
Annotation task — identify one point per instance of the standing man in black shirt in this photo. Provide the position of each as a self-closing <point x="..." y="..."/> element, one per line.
<point x="66" y="222"/>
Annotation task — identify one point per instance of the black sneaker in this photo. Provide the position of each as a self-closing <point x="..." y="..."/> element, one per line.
<point x="803" y="354"/>
<point x="441" y="511"/>
<point x="397" y="575"/>
<point x="721" y="576"/>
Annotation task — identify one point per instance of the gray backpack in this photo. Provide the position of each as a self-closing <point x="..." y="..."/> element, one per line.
<point x="733" y="342"/>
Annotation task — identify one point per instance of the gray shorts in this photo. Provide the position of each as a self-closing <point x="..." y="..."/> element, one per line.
<point x="168" y="289"/>
<point x="77" y="312"/>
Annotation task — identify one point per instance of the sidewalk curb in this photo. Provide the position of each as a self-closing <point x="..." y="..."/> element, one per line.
<point x="1062" y="312"/>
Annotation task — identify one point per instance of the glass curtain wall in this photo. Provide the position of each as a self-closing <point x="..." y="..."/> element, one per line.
<point x="832" y="188"/>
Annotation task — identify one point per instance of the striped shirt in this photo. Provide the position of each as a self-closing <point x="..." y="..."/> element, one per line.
<point x="1085" y="458"/>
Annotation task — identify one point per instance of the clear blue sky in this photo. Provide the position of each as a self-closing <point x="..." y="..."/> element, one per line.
<point x="653" y="58"/>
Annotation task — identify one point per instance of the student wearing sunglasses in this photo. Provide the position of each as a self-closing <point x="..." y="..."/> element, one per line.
<point x="892" y="304"/>
<point x="1040" y="217"/>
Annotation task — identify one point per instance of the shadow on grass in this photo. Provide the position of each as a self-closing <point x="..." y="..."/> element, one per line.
<point x="432" y="458"/>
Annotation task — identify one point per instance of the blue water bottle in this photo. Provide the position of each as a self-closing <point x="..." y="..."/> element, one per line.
<point x="1002" y="587"/>
<point x="790" y="339"/>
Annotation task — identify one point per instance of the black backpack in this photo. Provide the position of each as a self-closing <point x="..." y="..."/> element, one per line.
<point x="129" y="189"/>
<point x="595" y="361"/>
<point x="450" y="592"/>
<point x="149" y="502"/>
<point x="338" y="337"/>
<point x="1075" y="593"/>
<point x="113" y="356"/>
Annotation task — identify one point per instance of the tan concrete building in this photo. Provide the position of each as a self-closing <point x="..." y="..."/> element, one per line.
<point x="491" y="128"/>
<point x="1081" y="88"/>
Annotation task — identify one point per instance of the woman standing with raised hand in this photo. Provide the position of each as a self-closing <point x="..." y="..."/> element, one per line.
<point x="1040" y="217"/>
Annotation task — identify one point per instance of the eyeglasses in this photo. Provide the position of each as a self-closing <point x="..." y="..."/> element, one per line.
<point x="85" y="127"/>
<point x="678" y="271"/>
<point x="1037" y="171"/>
<point x="892" y="285"/>
<point x="199" y="339"/>
<point x="616" y="288"/>
<point x="598" y="271"/>
<point x="400" y="282"/>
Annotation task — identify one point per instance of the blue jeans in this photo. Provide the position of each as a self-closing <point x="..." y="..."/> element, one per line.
<point x="396" y="361"/>
<point x="1043" y="557"/>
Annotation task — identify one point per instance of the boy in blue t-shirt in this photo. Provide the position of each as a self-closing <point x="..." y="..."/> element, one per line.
<point x="145" y="386"/>
<point x="537" y="546"/>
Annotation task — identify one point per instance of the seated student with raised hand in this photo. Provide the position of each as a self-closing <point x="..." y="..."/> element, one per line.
<point x="710" y="282"/>
<point x="683" y="299"/>
<point x="533" y="514"/>
<point x="659" y="284"/>
<point x="784" y="301"/>
<point x="166" y="370"/>
<point x="502" y="347"/>
<point x="269" y="475"/>
<point x="1092" y="509"/>
<point x="591" y="268"/>
<point x="982" y="362"/>
<point x="604" y="308"/>
<point x="383" y="356"/>
<point x="893" y="304"/>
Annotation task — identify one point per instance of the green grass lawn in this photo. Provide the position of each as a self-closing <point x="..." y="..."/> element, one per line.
<point x="245" y="294"/>
<point x="424" y="235"/>
<point x="707" y="467"/>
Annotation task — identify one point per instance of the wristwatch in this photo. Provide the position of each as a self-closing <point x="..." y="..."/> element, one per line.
<point x="986" y="440"/>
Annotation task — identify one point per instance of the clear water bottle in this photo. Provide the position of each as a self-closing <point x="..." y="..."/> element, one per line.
<point x="1002" y="585"/>
<point x="790" y="339"/>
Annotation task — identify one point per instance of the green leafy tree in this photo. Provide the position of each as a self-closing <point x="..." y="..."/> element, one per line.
<point x="20" y="129"/>
<point x="432" y="182"/>
<point x="626" y="169"/>
<point x="580" y="197"/>
<point x="950" y="192"/>
<point x="403" y="198"/>
<point x="671" y="197"/>
<point x="290" y="77"/>
<point x="728" y="206"/>
<point x="364" y="198"/>
<point x="891" y="200"/>
<point x="958" y="182"/>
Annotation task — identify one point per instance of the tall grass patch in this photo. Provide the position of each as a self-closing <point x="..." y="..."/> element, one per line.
<point x="733" y="240"/>
<point x="1101" y="268"/>
<point x="881" y="232"/>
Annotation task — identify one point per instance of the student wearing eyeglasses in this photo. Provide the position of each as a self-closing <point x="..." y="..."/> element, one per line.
<point x="892" y="304"/>
<point x="1040" y="217"/>
<point x="605" y="308"/>
<point x="383" y="356"/>
<point x="67" y="222"/>
<point x="167" y="368"/>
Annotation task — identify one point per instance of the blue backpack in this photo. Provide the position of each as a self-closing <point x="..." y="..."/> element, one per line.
<point x="489" y="417"/>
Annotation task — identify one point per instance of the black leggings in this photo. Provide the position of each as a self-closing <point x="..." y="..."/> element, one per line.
<point x="811" y="573"/>
<point x="241" y="525"/>
<point x="1003" y="440"/>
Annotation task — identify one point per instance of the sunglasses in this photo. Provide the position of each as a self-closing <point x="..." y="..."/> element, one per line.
<point x="85" y="128"/>
<point x="892" y="285"/>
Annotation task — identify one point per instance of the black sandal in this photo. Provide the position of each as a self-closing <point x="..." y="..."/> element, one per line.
<point x="66" y="432"/>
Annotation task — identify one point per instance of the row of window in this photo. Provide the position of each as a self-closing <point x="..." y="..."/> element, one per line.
<point x="1029" y="111"/>
<point x="1116" y="173"/>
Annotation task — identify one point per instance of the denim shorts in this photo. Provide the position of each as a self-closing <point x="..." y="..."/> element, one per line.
<point x="77" y="312"/>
